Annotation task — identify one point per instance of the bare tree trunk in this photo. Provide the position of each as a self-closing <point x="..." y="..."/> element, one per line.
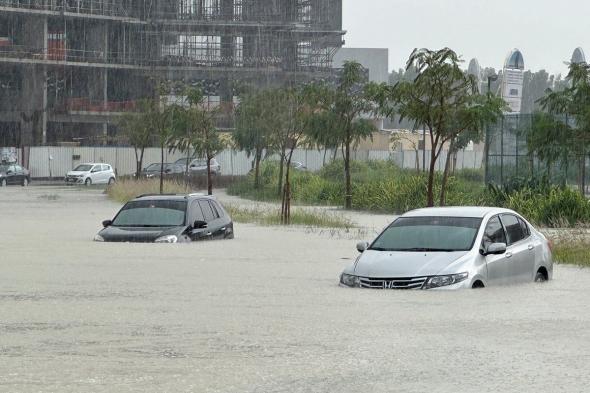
<point x="443" y="188"/>
<point x="141" y="161"/>
<point x="138" y="165"/>
<point x="188" y="162"/>
<point x="257" y="158"/>
<point x="209" y="179"/>
<point x="348" y="186"/>
<point x="286" y="202"/>
<point x="430" y="189"/>
<point x="162" y="168"/>
<point x="281" y="170"/>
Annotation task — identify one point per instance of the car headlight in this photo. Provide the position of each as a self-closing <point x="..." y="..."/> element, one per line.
<point x="167" y="239"/>
<point x="443" y="281"/>
<point x="98" y="238"/>
<point x="350" y="281"/>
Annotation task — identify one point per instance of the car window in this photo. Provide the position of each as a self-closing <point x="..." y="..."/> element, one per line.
<point x="196" y="212"/>
<point x="494" y="232"/>
<point x="513" y="229"/>
<point x="525" y="228"/>
<point x="18" y="168"/>
<point x="96" y="168"/>
<point x="83" y="168"/>
<point x="216" y="208"/>
<point x="207" y="211"/>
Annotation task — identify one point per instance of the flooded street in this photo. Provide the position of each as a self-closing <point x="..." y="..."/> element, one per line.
<point x="260" y="313"/>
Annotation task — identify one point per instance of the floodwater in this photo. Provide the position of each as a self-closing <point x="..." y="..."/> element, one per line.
<point x="260" y="313"/>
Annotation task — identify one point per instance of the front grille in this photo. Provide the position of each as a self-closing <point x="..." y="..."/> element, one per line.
<point x="393" y="283"/>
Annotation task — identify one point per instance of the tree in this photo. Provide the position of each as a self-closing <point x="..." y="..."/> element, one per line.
<point x="443" y="98"/>
<point x="340" y="123"/>
<point x="255" y="123"/>
<point x="158" y="118"/>
<point x="194" y="127"/>
<point x="296" y="106"/>
<point x="137" y="132"/>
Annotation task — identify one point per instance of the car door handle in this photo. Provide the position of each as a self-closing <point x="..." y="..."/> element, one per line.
<point x="508" y="255"/>
<point x="531" y="246"/>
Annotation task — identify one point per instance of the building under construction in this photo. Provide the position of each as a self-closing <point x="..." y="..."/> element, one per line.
<point x="69" y="68"/>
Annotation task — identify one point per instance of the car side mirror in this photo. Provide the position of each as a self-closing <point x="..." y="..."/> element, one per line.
<point x="107" y="223"/>
<point x="362" y="246"/>
<point x="200" y="224"/>
<point x="495" y="249"/>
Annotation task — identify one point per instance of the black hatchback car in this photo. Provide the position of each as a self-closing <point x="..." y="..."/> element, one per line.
<point x="14" y="174"/>
<point x="168" y="219"/>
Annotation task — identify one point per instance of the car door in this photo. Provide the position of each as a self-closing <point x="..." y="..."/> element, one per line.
<point x="20" y="174"/>
<point x="212" y="219"/>
<point x="11" y="175"/>
<point x="220" y="222"/>
<point x="95" y="174"/>
<point x="497" y="265"/>
<point x="196" y="214"/>
<point x="520" y="247"/>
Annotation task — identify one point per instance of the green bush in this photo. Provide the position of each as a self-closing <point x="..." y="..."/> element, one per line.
<point x="383" y="187"/>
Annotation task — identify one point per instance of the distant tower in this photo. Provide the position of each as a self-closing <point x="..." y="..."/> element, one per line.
<point x="578" y="56"/>
<point x="513" y="80"/>
<point x="475" y="70"/>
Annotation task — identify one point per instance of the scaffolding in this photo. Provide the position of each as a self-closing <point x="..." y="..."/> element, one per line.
<point x="85" y="58"/>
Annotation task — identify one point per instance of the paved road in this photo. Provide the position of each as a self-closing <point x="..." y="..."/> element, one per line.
<point x="261" y="313"/>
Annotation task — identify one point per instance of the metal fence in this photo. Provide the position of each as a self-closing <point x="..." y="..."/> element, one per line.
<point x="508" y="156"/>
<point x="54" y="162"/>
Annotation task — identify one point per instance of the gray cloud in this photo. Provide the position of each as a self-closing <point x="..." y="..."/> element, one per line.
<point x="546" y="31"/>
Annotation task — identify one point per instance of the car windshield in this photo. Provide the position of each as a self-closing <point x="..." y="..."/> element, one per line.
<point x="182" y="161"/>
<point x="421" y="234"/>
<point x="83" y="168"/>
<point x="156" y="167"/>
<point x="154" y="213"/>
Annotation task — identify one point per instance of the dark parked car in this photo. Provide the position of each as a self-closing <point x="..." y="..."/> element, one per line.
<point x="198" y="166"/>
<point x="14" y="174"/>
<point x="168" y="219"/>
<point x="153" y="170"/>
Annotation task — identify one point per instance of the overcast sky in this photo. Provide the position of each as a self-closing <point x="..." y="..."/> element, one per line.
<point x="546" y="31"/>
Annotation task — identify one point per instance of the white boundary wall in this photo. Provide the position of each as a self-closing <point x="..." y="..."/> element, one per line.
<point x="232" y="162"/>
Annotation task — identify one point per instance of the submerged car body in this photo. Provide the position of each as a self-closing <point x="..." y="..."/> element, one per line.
<point x="168" y="219"/>
<point x="14" y="174"/>
<point x="452" y="248"/>
<point x="170" y="170"/>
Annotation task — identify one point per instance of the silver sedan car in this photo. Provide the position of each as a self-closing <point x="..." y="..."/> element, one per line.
<point x="452" y="248"/>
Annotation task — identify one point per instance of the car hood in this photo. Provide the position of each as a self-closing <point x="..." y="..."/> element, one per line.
<point x="76" y="173"/>
<point x="386" y="264"/>
<point x="138" y="235"/>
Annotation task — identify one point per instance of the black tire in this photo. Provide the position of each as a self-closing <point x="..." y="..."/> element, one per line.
<point x="88" y="182"/>
<point x="477" y="285"/>
<point x="540" y="277"/>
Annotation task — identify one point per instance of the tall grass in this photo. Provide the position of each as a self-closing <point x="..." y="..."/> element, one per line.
<point x="126" y="189"/>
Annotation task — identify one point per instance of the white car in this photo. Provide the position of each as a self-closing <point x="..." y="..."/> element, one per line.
<point x="91" y="173"/>
<point x="452" y="248"/>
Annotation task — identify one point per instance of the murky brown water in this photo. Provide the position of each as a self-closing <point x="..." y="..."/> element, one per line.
<point x="261" y="313"/>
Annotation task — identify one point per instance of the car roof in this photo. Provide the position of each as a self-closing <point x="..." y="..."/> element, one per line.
<point x="456" y="211"/>
<point x="172" y="197"/>
<point x="93" y="163"/>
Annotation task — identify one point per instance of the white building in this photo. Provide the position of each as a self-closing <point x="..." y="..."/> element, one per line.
<point x="513" y="80"/>
<point x="578" y="56"/>
<point x="376" y="60"/>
